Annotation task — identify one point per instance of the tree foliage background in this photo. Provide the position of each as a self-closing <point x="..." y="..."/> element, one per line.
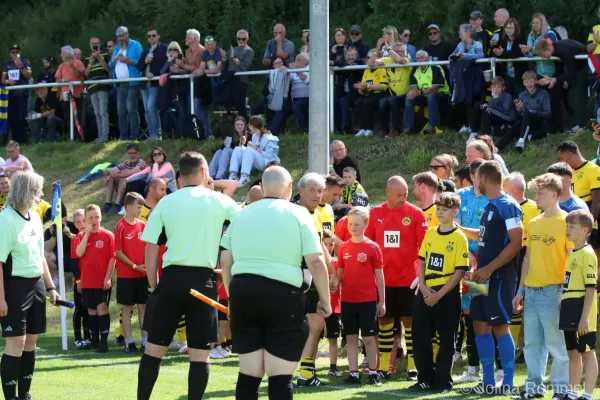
<point x="42" y="27"/>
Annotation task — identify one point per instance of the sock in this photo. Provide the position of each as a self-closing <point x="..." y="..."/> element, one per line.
<point x="104" y="327"/>
<point x="386" y="342"/>
<point x="229" y="342"/>
<point x="506" y="348"/>
<point x="332" y="366"/>
<point x="473" y="370"/>
<point x="26" y="372"/>
<point x="144" y="341"/>
<point x="372" y="372"/>
<point x="487" y="351"/>
<point x="435" y="344"/>
<point x="224" y="344"/>
<point x="121" y="329"/>
<point x="93" y="325"/>
<point x="280" y="387"/>
<point x="307" y="367"/>
<point x="9" y="374"/>
<point x="181" y="331"/>
<point x="128" y="340"/>
<point x="410" y="366"/>
<point x="354" y="374"/>
<point x="147" y="375"/>
<point x="572" y="395"/>
<point x="197" y="379"/>
<point x="247" y="387"/>
<point x="587" y="396"/>
<point x="84" y="324"/>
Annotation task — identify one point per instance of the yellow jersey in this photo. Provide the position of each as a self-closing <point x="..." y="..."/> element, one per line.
<point x="443" y="253"/>
<point x="430" y="216"/>
<point x="581" y="273"/>
<point x="398" y="78"/>
<point x="145" y="214"/>
<point x="376" y="76"/>
<point x="41" y="209"/>
<point x="530" y="211"/>
<point x="325" y="217"/>
<point x="595" y="29"/>
<point x="548" y="250"/>
<point x="2" y="202"/>
<point x="585" y="179"/>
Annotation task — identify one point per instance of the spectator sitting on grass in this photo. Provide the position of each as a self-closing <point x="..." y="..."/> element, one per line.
<point x="157" y="167"/>
<point x="261" y="151"/>
<point x="222" y="156"/>
<point x="114" y="179"/>
<point x="15" y="161"/>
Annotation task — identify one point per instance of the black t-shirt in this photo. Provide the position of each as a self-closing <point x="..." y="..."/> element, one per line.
<point x="97" y="72"/>
<point x="51" y="103"/>
<point x="66" y="241"/>
<point x="346" y="162"/>
<point x="440" y="51"/>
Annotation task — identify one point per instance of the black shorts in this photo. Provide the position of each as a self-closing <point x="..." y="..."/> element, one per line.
<point x="132" y="291"/>
<point x="333" y="326"/>
<point x="267" y="314"/>
<point x="172" y="299"/>
<point x="26" y="301"/>
<point x="399" y="301"/>
<point x="92" y="298"/>
<point x="312" y="299"/>
<point x="361" y="316"/>
<point x="222" y="315"/>
<point x="582" y="344"/>
<point x="495" y="308"/>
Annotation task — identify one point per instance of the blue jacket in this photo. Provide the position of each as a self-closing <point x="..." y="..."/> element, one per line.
<point x="467" y="79"/>
<point x="158" y="62"/>
<point x="134" y="52"/>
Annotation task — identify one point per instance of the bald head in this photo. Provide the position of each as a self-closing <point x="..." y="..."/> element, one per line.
<point x="277" y="182"/>
<point x="157" y="189"/>
<point x="396" y="192"/>
<point x="501" y="16"/>
<point x="255" y="194"/>
<point x="397" y="181"/>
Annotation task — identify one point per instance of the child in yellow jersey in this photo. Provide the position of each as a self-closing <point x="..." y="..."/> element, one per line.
<point x="351" y="187"/>
<point x="443" y="259"/>
<point x="578" y="308"/>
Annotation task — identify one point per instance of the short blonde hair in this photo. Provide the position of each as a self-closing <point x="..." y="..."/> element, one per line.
<point x="448" y="161"/>
<point x="360" y="211"/>
<point x="92" y="207"/>
<point x="25" y="191"/>
<point x="482" y="147"/>
<point x="80" y="212"/>
<point x="548" y="181"/>
<point x="429" y="179"/>
<point x="581" y="217"/>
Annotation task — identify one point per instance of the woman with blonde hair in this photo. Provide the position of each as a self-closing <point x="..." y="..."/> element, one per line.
<point x="387" y="40"/>
<point x="443" y="166"/>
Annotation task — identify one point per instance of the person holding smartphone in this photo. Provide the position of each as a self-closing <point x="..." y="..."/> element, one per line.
<point x="96" y="68"/>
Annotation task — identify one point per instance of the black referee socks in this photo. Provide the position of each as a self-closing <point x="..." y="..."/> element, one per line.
<point x="147" y="375"/>
<point x="197" y="379"/>
<point x="281" y="387"/>
<point x="247" y="387"/>
<point x="9" y="372"/>
<point x="26" y="373"/>
<point x="93" y="327"/>
<point x="104" y="327"/>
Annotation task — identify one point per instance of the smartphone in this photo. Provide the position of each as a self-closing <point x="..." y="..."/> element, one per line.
<point x="180" y="56"/>
<point x="522" y="45"/>
<point x="95" y="47"/>
<point x="228" y="140"/>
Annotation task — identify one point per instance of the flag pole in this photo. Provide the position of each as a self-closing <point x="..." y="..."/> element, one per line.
<point x="57" y="221"/>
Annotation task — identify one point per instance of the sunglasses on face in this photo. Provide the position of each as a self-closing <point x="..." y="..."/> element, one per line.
<point x="156" y="154"/>
<point x="208" y="39"/>
<point x="435" y="167"/>
<point x="170" y="50"/>
<point x="406" y="35"/>
<point x="242" y="39"/>
<point x="354" y="33"/>
<point x="305" y="30"/>
<point x="433" y="33"/>
<point x="151" y="35"/>
<point x="14" y="52"/>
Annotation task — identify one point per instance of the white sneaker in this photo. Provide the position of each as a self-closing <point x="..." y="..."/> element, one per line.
<point x="573" y="129"/>
<point x="174" y="346"/>
<point x="472" y="136"/>
<point x="216" y="354"/>
<point x="520" y="144"/>
<point x="368" y="132"/>
<point x="223" y="352"/>
<point x="499" y="378"/>
<point x="243" y="181"/>
<point x="322" y="354"/>
<point x="465" y="130"/>
<point x="233" y="176"/>
<point x="468" y="377"/>
<point x="457" y="357"/>
<point x="183" y="349"/>
<point x="360" y="133"/>
<point x="122" y="212"/>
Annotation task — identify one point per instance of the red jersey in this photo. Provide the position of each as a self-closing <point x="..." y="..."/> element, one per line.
<point x="99" y="252"/>
<point x="128" y="240"/>
<point x="399" y="233"/>
<point x="359" y="262"/>
<point x="221" y="291"/>
<point x="335" y="296"/>
<point x="341" y="229"/>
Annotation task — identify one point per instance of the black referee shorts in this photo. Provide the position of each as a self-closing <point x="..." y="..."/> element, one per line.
<point x="267" y="314"/>
<point x="26" y="301"/>
<point x="172" y="299"/>
<point x="92" y="298"/>
<point x="132" y="291"/>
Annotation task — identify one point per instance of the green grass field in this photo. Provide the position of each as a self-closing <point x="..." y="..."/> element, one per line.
<point x="84" y="374"/>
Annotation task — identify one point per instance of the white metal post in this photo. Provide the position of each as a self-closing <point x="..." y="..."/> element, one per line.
<point x="71" y="119"/>
<point x="331" y="102"/>
<point x="192" y="98"/>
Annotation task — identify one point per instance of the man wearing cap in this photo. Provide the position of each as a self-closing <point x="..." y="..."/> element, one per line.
<point x="15" y="72"/>
<point x="48" y="74"/>
<point x="482" y="36"/>
<point x="124" y="61"/>
<point x="356" y="37"/>
<point x="49" y="115"/>
<point x="437" y="48"/>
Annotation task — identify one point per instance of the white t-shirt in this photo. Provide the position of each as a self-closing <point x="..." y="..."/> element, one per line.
<point x="122" y="69"/>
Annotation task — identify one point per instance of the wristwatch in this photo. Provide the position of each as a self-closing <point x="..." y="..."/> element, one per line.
<point x="48" y="290"/>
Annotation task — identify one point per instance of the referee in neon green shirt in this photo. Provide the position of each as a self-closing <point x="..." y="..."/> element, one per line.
<point x="190" y="222"/>
<point x="264" y="279"/>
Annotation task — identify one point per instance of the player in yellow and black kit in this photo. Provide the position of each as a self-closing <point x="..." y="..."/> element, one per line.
<point x="443" y="259"/>
<point x="578" y="308"/>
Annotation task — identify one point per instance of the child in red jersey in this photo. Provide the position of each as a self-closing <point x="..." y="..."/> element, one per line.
<point x="95" y="248"/>
<point x="131" y="273"/>
<point x="360" y="271"/>
<point x="333" y="323"/>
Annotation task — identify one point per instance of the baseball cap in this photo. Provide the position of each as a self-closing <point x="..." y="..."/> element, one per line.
<point x="15" y="47"/>
<point x="476" y="15"/>
<point x="122" y="30"/>
<point x="355" y="28"/>
<point x="50" y="59"/>
<point x="448" y="186"/>
<point x="359" y="199"/>
<point x="434" y="26"/>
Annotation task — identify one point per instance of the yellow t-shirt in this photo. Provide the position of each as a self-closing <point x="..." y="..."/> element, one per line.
<point x="431" y="216"/>
<point x="348" y="192"/>
<point x="591" y="38"/>
<point x="548" y="246"/>
<point x="398" y="78"/>
<point x="443" y="253"/>
<point x="145" y="213"/>
<point x="530" y="211"/>
<point x="585" y="179"/>
<point x="41" y="209"/>
<point x="2" y="202"/>
<point x="325" y="218"/>
<point x="582" y="269"/>
<point x="376" y="77"/>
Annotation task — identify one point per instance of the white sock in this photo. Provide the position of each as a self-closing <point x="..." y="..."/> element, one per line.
<point x="473" y="370"/>
<point x="587" y="396"/>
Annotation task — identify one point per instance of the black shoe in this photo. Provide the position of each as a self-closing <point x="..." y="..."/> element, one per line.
<point x="27" y="397"/>
<point x="375" y="380"/>
<point x="131" y="348"/>
<point x="559" y="396"/>
<point x="384" y="374"/>
<point x="521" y="359"/>
<point x="85" y="345"/>
<point x="119" y="339"/>
<point x="114" y="210"/>
<point x="420" y="386"/>
<point x="528" y="395"/>
<point x="102" y="348"/>
<point x="143" y="348"/>
<point x="412" y="375"/>
<point x="352" y="380"/>
<point x="106" y="208"/>
<point x="314" y="381"/>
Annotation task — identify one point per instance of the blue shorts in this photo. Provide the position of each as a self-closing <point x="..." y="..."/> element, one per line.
<point x="496" y="307"/>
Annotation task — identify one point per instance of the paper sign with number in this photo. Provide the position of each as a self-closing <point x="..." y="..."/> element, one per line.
<point x="14" y="74"/>
<point x="391" y="239"/>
